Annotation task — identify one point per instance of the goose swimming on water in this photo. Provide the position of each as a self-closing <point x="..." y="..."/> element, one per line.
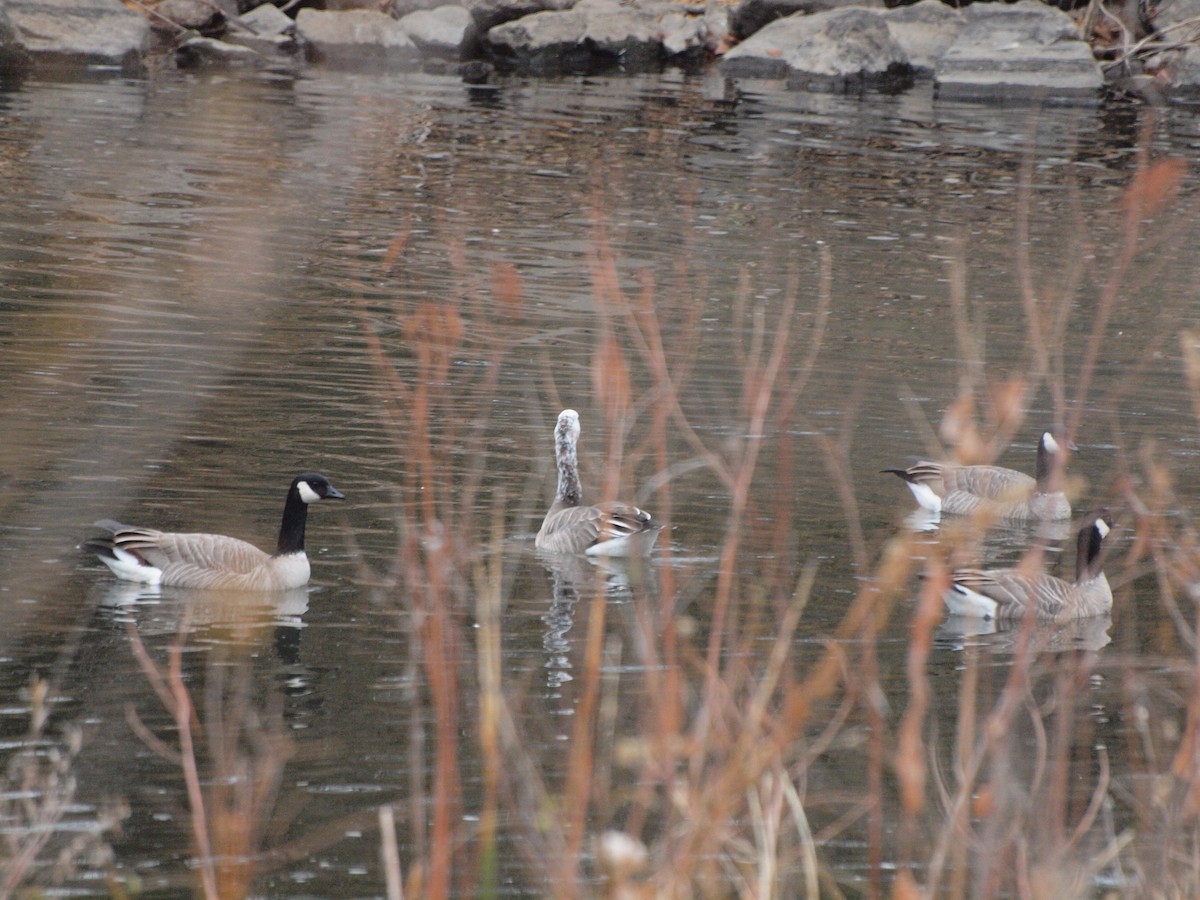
<point x="1005" y="594"/>
<point x="215" y="561"/>
<point x="1012" y="495"/>
<point x="607" y="529"/>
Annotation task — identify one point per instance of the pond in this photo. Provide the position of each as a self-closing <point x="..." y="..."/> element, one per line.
<point x="757" y="300"/>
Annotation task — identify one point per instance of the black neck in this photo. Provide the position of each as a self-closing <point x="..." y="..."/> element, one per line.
<point x="1047" y="463"/>
<point x="1087" y="554"/>
<point x="291" y="529"/>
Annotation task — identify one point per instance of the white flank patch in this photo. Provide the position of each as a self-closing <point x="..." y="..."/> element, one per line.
<point x="128" y="567"/>
<point x="636" y="544"/>
<point x="925" y="496"/>
<point x="307" y="494"/>
<point x="962" y="601"/>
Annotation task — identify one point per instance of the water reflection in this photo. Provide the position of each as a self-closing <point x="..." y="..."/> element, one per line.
<point x="959" y="632"/>
<point x="202" y="277"/>
<point x="583" y="577"/>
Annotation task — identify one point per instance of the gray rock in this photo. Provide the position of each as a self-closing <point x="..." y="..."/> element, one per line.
<point x="1178" y="18"/>
<point x="490" y="13"/>
<point x="594" y="35"/>
<point x="1182" y="71"/>
<point x="13" y="57"/>
<point x="1018" y="52"/>
<point x="1177" y="21"/>
<point x="78" y="32"/>
<point x="448" y="31"/>
<point x="685" y="32"/>
<point x="398" y="9"/>
<point x="925" y="31"/>
<point x="176" y="16"/>
<point x="357" y="38"/>
<point x="200" y="52"/>
<point x="265" y="29"/>
<point x="267" y="21"/>
<point x="826" y="51"/>
<point x="751" y="16"/>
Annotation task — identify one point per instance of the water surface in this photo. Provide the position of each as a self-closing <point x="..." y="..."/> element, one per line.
<point x="212" y="283"/>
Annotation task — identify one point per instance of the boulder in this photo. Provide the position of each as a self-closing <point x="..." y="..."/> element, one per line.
<point x="925" y="31"/>
<point x="447" y="32"/>
<point x="357" y="38"/>
<point x="176" y="16"/>
<point x="1021" y="51"/>
<point x="1181" y="74"/>
<point x="1178" y="22"/>
<point x="199" y="52"/>
<point x="265" y="29"/>
<point x="687" y="32"/>
<point x="267" y="21"/>
<point x="593" y="36"/>
<point x="78" y="32"/>
<point x="831" y="50"/>
<point x="1180" y="19"/>
<point x="490" y="13"/>
<point x="750" y="16"/>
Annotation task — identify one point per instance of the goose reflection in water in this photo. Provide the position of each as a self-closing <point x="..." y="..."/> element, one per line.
<point x="575" y="578"/>
<point x="156" y="610"/>
<point x="959" y="632"/>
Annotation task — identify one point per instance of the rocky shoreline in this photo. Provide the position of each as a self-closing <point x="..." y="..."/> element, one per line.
<point x="1025" y="51"/>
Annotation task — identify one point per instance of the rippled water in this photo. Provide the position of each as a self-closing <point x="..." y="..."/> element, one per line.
<point x="211" y="283"/>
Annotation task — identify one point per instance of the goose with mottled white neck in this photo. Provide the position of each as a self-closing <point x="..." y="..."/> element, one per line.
<point x="606" y="529"/>
<point x="216" y="561"/>
<point x="1005" y="594"/>
<point x="1014" y="496"/>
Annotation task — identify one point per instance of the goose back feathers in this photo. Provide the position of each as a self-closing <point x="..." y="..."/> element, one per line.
<point x="1005" y="594"/>
<point x="1014" y="496"/>
<point x="215" y="561"/>
<point x="606" y="529"/>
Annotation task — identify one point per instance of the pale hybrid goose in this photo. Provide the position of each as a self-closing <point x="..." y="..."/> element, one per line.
<point x="214" y="561"/>
<point x="1014" y="496"/>
<point x="1005" y="594"/>
<point x="609" y="529"/>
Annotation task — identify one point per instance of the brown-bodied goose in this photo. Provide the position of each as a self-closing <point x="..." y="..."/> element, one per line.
<point x="1005" y="594"/>
<point x="1014" y="496"/>
<point x="608" y="529"/>
<point x="214" y="561"/>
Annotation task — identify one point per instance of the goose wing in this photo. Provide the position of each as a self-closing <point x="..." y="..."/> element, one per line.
<point x="1012" y="591"/>
<point x="989" y="482"/>
<point x="570" y="530"/>
<point x="574" y="529"/>
<point x="184" y="558"/>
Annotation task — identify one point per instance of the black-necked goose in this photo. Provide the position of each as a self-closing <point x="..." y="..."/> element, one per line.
<point x="215" y="561"/>
<point x="1011" y="495"/>
<point x="1005" y="594"/>
<point x="608" y="529"/>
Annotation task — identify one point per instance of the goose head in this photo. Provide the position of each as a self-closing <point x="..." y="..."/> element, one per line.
<point x="311" y="487"/>
<point x="567" y="428"/>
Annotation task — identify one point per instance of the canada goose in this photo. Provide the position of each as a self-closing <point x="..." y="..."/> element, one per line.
<point x="963" y="490"/>
<point x="1006" y="593"/>
<point x="214" y="561"/>
<point x="609" y="529"/>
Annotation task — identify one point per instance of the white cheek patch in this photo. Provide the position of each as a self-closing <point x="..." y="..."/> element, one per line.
<point x="1102" y="527"/>
<point x="1050" y="442"/>
<point x="307" y="494"/>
